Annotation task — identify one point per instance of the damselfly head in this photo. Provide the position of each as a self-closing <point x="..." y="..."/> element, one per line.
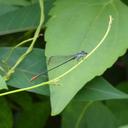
<point x="80" y="55"/>
<point x="83" y="53"/>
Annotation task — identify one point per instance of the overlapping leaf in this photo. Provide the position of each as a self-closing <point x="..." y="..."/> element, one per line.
<point x="32" y="65"/>
<point x="21" y="18"/>
<point x="79" y="115"/>
<point x="6" y="118"/>
<point x="99" y="89"/>
<point x="37" y="118"/>
<point x="15" y="2"/>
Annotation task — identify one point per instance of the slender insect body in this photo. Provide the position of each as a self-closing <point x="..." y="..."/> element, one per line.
<point x="77" y="56"/>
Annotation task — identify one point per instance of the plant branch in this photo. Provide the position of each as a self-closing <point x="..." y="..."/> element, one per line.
<point x="23" y="56"/>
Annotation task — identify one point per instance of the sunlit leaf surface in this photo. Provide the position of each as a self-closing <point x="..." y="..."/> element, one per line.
<point x="80" y="25"/>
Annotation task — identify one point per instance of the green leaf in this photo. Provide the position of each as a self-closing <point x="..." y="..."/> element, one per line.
<point x="15" y="2"/>
<point x="16" y="19"/>
<point x="6" y="119"/>
<point x="120" y="110"/>
<point x="78" y="115"/>
<point x="125" y="126"/>
<point x="31" y="107"/>
<point x="123" y="86"/>
<point x="6" y="9"/>
<point x="32" y="65"/>
<point x="34" y="117"/>
<point x="47" y="6"/>
<point x="99" y="89"/>
<point x="120" y="107"/>
<point x="21" y="19"/>
<point x="22" y="99"/>
<point x="80" y="25"/>
<point x="2" y="83"/>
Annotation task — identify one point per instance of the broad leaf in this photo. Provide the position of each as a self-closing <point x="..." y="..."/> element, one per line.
<point x="120" y="110"/>
<point x="97" y="115"/>
<point x="123" y="86"/>
<point x="6" y="119"/>
<point x="32" y="65"/>
<point x="99" y="89"/>
<point x="120" y="107"/>
<point x="34" y="117"/>
<point x="6" y="9"/>
<point x="80" y="25"/>
<point x="22" y="99"/>
<point x="124" y="126"/>
<point x="20" y="19"/>
<point x="16" y="19"/>
<point x="47" y="6"/>
<point x="15" y="2"/>
<point x="29" y="107"/>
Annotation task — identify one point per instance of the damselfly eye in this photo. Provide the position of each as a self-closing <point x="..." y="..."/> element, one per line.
<point x="84" y="53"/>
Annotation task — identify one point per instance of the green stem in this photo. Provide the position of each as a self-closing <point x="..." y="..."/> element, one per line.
<point x="23" y="56"/>
<point x="13" y="48"/>
<point x="24" y="89"/>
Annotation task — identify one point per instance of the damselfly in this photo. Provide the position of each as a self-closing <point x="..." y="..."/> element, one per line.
<point x="76" y="56"/>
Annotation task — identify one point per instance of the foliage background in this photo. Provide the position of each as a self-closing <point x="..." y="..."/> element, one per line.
<point x="94" y="94"/>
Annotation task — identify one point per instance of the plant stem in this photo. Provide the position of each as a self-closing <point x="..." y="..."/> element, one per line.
<point x="30" y="48"/>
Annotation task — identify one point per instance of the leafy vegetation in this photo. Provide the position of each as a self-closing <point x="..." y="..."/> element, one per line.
<point x="37" y="35"/>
